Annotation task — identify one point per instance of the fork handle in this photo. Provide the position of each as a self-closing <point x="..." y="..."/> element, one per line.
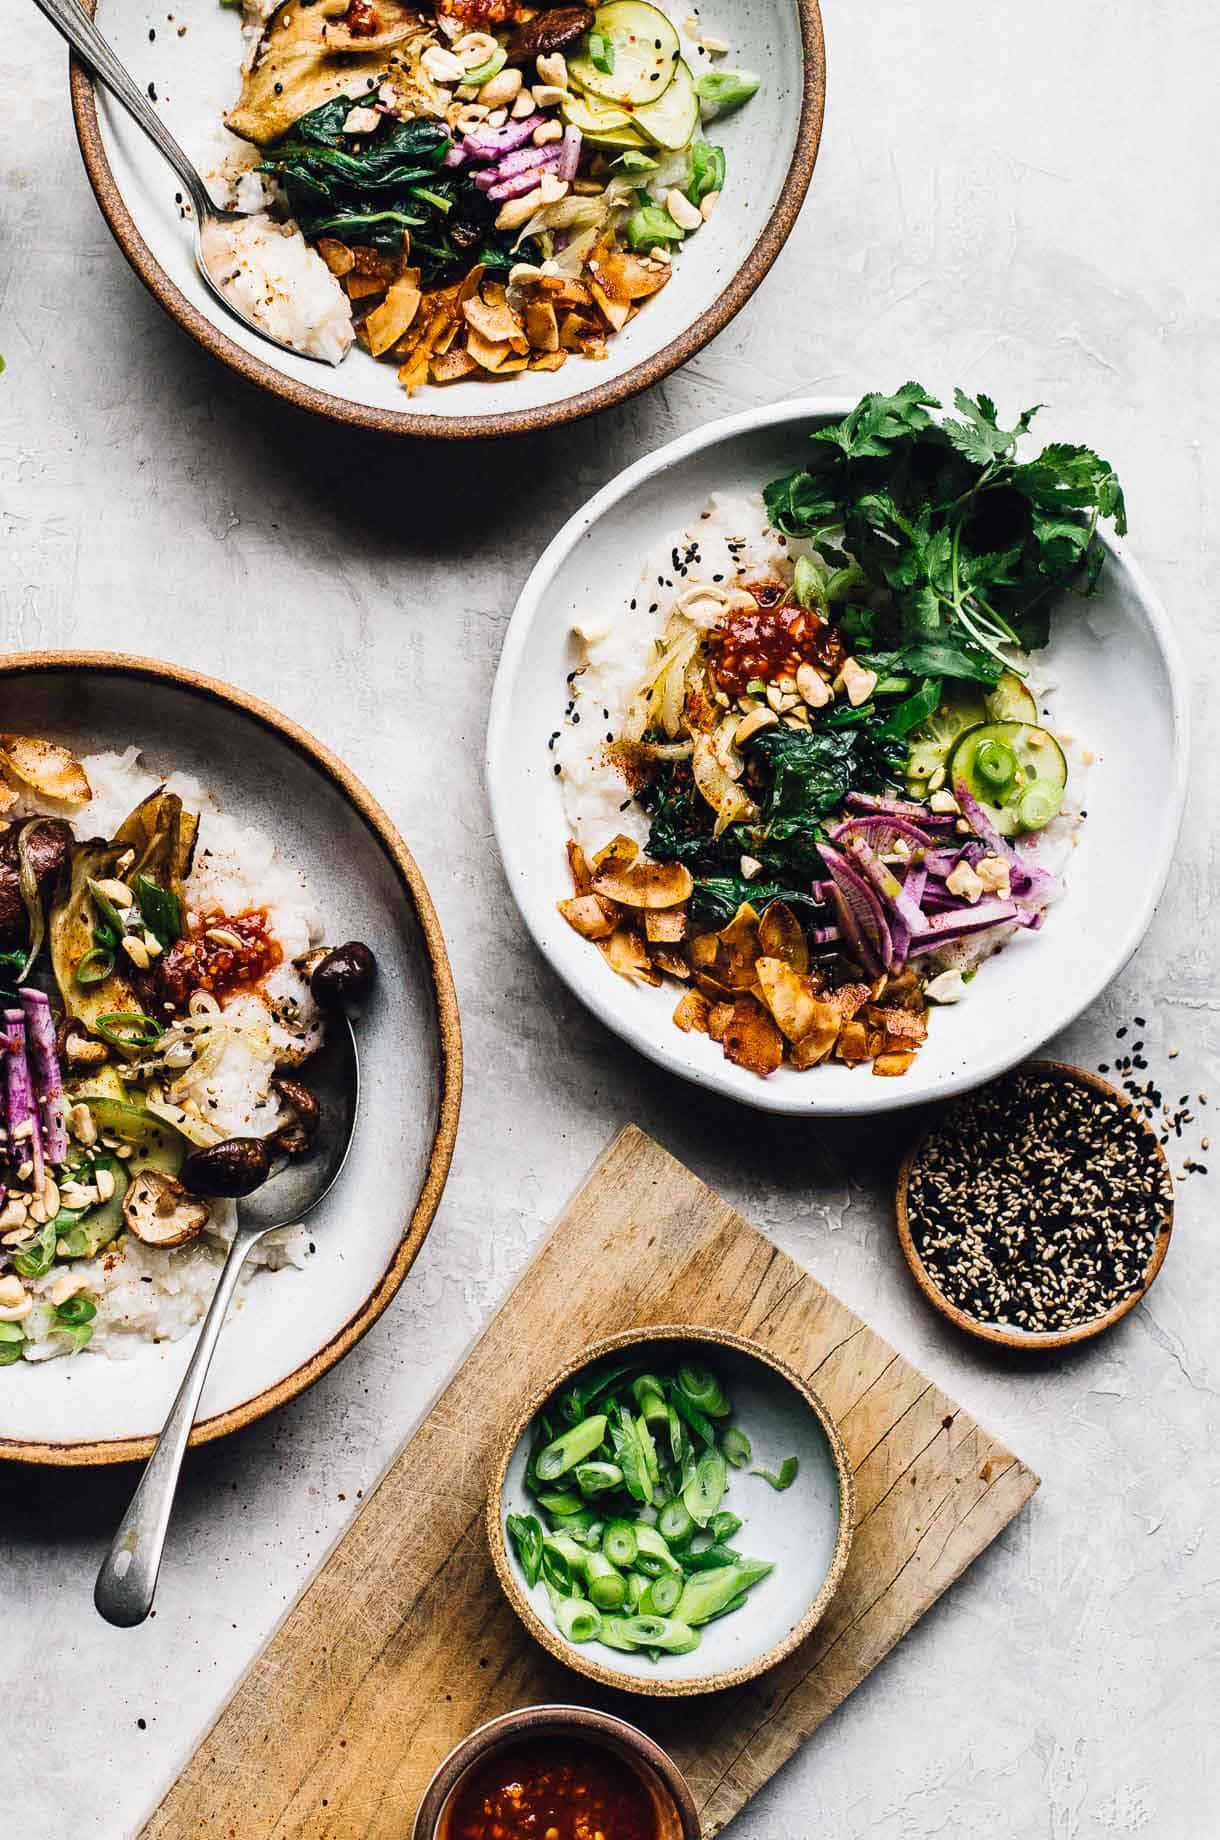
<point x="70" y="18"/>
<point x="127" y="1580"/>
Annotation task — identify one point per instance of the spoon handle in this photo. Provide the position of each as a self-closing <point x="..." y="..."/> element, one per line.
<point x="71" y="19"/>
<point x="127" y="1580"/>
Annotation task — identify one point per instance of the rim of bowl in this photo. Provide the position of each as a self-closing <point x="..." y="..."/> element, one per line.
<point x="449" y="1032"/>
<point x="600" y="997"/>
<point x="585" y="1721"/>
<point x="648" y="371"/>
<point x="1000" y="1335"/>
<point x="573" y="1656"/>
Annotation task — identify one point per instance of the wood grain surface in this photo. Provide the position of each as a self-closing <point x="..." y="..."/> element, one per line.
<point x="404" y="1642"/>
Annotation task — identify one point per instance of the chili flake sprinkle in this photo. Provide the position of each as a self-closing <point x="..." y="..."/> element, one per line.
<point x="1037" y="1205"/>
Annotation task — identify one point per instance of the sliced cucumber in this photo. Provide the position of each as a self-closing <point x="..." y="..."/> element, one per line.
<point x="1010" y="701"/>
<point x="643" y="50"/>
<point x="671" y="122"/>
<point x="964" y="706"/>
<point x="601" y="124"/>
<point x="156" y="1144"/>
<point x="1016" y="771"/>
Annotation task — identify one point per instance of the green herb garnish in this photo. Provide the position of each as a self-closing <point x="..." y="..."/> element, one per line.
<point x="784" y="1477"/>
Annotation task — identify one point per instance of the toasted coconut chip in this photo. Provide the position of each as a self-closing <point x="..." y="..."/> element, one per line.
<point x="741" y="934"/>
<point x="901" y="1028"/>
<point x="891" y="1066"/>
<point x="541" y="325"/>
<point x="624" y="952"/>
<point x="549" y="361"/>
<point x="337" y="256"/>
<point x="671" y="962"/>
<point x="823" y="1032"/>
<point x="578" y="868"/>
<point x="46" y="767"/>
<point x="851" y="998"/>
<point x="646" y="884"/>
<point x="452" y="366"/>
<point x="853" y="1044"/>
<point x="625" y="277"/>
<point x="387" y="323"/>
<point x="713" y="988"/>
<point x="565" y="291"/>
<point x="470" y="284"/>
<point x="780" y="935"/>
<point x="704" y="950"/>
<point x="363" y="287"/>
<point x="591" y="918"/>
<point x="8" y="798"/>
<point x="494" y="321"/>
<point x="788" y="995"/>
<point x="666" y="926"/>
<point x="692" y="1013"/>
<point x="616" y="311"/>
<point x="719" y="1016"/>
<point x="616" y="854"/>
<point x="752" y="1040"/>
<point x="491" y="356"/>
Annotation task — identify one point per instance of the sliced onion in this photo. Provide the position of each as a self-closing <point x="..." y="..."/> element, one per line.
<point x="717" y="786"/>
<point x="28" y="883"/>
<point x="880" y="832"/>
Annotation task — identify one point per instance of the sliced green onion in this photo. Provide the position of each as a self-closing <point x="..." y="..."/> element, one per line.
<point x="37" y="1255"/>
<point x="561" y="1501"/>
<point x="11" y="1338"/>
<point x="141" y="1031"/>
<point x="663" y="1632"/>
<point x="578" y="1620"/>
<point x="635" y="162"/>
<point x="701" y="1387"/>
<point x="675" y="1521"/>
<point x="95" y="967"/>
<point x="706" y="175"/>
<point x="570" y="1448"/>
<point x="160" y="909"/>
<point x="649" y="225"/>
<point x="620" y="1543"/>
<point x="637" y="1584"/>
<point x="704" y="1492"/>
<point x="650" y="1398"/>
<point x="597" y="1478"/>
<point x="526" y="1535"/>
<point x="605" y="1584"/>
<point x="735" y="1447"/>
<point x="996" y="763"/>
<point x="1038" y="804"/>
<point x="724" y="1525"/>
<point x="782" y="1479"/>
<point x="708" y="1593"/>
<point x="601" y="53"/>
<point x="736" y="1603"/>
<point x="720" y="91"/>
<point x="654" y="1556"/>
<point x="109" y="927"/>
<point x="613" y="1634"/>
<point x="661" y="1597"/>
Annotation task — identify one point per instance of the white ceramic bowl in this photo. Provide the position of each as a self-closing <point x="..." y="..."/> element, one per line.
<point x="805" y="1530"/>
<point x="292" y="1325"/>
<point x="771" y="146"/>
<point x="1118" y="673"/>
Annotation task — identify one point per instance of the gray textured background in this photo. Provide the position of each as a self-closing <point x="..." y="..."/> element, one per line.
<point x="1016" y="198"/>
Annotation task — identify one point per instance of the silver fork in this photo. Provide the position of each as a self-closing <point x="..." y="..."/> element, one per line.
<point x="99" y="58"/>
<point x="127" y="1581"/>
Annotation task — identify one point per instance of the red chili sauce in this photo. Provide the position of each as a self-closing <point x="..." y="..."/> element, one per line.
<point x="200" y="962"/>
<point x="771" y="641"/>
<point x="560" y="1790"/>
<point x="360" y="20"/>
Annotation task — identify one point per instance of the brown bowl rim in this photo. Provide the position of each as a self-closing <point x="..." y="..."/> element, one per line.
<point x="587" y="1722"/>
<point x="574" y="1657"/>
<point x="651" y="370"/>
<point x="449" y="1031"/>
<point x="1030" y="1341"/>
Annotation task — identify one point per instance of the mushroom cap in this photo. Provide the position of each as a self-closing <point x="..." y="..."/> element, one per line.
<point x="158" y="1210"/>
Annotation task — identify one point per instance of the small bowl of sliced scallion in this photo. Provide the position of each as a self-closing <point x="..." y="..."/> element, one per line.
<point x="673" y="1513"/>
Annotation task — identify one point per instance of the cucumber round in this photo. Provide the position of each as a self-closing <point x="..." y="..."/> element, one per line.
<point x="644" y="51"/>
<point x="964" y="706"/>
<point x="601" y="123"/>
<point x="1016" y="770"/>
<point x="671" y="122"/>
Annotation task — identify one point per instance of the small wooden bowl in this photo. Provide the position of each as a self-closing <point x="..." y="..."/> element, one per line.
<point x="1031" y="1341"/>
<point x="797" y="1508"/>
<point x="677" y="1817"/>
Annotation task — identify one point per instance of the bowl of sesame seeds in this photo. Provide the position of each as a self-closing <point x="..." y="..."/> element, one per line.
<point x="1038" y="1211"/>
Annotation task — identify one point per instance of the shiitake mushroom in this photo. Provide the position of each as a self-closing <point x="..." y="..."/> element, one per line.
<point x="236" y="1166"/>
<point x="295" y="1137"/>
<point x="345" y="974"/>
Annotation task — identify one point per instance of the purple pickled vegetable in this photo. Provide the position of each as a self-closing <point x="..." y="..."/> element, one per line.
<point x="860" y="914"/>
<point x="980" y="823"/>
<point x="895" y="808"/>
<point x="456" y="156"/>
<point x="491" y="143"/>
<point x="23" y="1131"/>
<point x="44" y="1066"/>
<point x="820" y="890"/>
<point x="887" y="885"/>
<point x="880" y="832"/>
<point x="569" y="155"/>
<point x="524" y="182"/>
<point x="823" y="935"/>
<point x="961" y="922"/>
<point x="915" y="881"/>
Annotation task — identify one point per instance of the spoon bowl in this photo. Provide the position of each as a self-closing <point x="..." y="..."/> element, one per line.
<point x="127" y="1581"/>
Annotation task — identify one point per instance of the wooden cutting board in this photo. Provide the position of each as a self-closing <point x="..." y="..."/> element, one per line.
<point x="403" y="1642"/>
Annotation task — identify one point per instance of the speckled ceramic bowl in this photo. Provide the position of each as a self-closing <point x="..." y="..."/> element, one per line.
<point x="771" y="147"/>
<point x="294" y="1325"/>
<point x="805" y="1529"/>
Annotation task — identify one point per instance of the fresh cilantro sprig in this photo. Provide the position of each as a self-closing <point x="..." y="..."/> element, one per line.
<point x="967" y="542"/>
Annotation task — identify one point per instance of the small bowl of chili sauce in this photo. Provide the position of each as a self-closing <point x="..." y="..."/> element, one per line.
<point x="557" y="1773"/>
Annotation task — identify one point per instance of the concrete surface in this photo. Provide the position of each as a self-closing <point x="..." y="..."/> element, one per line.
<point x="1015" y="198"/>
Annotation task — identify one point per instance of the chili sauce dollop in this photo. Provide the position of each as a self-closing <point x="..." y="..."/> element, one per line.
<point x="560" y="1789"/>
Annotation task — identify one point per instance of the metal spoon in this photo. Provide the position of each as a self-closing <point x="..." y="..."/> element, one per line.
<point x="127" y="1580"/>
<point x="70" y="18"/>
